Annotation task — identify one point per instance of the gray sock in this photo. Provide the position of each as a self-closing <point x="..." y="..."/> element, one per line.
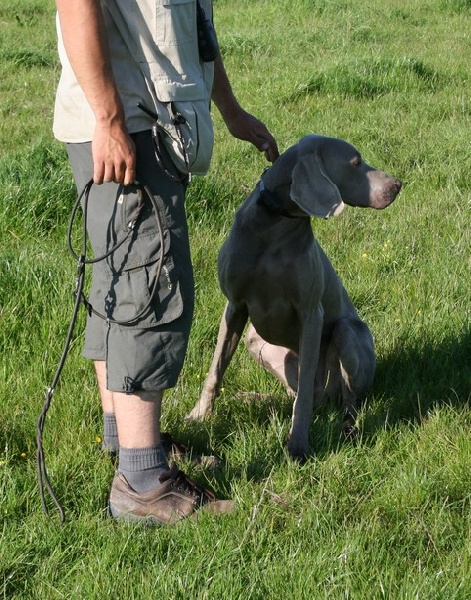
<point x="142" y="466"/>
<point x="110" y="433"/>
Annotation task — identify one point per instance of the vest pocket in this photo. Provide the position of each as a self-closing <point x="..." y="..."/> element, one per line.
<point x="175" y="22"/>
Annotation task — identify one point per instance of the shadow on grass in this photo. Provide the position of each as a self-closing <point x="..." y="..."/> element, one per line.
<point x="417" y="378"/>
<point x="409" y="383"/>
<point x="250" y="428"/>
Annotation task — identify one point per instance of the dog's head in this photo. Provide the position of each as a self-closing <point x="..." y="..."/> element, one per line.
<point x="330" y="172"/>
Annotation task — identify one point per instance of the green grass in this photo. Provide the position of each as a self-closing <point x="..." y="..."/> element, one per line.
<point x="386" y="517"/>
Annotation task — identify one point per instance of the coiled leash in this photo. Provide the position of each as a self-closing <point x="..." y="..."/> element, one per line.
<point x="82" y="261"/>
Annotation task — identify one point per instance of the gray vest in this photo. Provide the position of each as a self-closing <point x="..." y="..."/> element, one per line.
<point x="154" y="52"/>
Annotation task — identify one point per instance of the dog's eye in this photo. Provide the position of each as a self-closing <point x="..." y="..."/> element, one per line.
<point x="356" y="161"/>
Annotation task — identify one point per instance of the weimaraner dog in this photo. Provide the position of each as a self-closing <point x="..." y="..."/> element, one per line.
<point x="304" y="327"/>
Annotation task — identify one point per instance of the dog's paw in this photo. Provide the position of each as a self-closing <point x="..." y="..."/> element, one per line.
<point x="350" y="428"/>
<point x="198" y="414"/>
<point x="298" y="451"/>
<point x="203" y="407"/>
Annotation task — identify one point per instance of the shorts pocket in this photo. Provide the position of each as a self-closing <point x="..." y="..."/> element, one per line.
<point x="137" y="299"/>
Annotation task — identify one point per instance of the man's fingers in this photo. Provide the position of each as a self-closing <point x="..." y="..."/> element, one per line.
<point x="270" y="148"/>
<point x="98" y="174"/>
<point x="130" y="176"/>
<point x="114" y="157"/>
<point x="103" y="173"/>
<point x="110" y="174"/>
<point x="117" y="174"/>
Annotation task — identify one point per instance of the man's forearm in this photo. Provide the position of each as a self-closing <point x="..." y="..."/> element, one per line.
<point x="240" y="123"/>
<point x="85" y="41"/>
<point x="222" y="94"/>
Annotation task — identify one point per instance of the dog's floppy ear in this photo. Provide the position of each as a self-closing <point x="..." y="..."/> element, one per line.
<point x="312" y="189"/>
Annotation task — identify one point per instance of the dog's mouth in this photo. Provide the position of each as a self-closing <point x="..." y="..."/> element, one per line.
<point x="383" y="203"/>
<point x="376" y="203"/>
<point x="378" y="194"/>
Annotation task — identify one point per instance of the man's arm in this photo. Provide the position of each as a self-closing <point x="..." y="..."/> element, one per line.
<point x="85" y="40"/>
<point x="240" y="123"/>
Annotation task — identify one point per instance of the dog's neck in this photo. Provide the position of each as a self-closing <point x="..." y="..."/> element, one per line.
<point x="276" y="205"/>
<point x="274" y="194"/>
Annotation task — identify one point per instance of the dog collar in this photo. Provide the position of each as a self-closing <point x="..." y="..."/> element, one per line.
<point x="271" y="202"/>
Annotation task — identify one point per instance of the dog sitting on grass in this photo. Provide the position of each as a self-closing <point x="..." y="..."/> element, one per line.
<point x="304" y="328"/>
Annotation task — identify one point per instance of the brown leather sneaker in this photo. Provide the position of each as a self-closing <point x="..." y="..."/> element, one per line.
<point x="175" y="499"/>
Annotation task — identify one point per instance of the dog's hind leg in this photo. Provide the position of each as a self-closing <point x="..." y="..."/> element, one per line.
<point x="279" y="361"/>
<point x="231" y="327"/>
<point x="357" y="363"/>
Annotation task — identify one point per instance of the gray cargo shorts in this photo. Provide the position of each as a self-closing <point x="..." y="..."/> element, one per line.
<point x="146" y="349"/>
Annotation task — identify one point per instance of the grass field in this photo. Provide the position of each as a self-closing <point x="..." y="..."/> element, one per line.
<point x="385" y="517"/>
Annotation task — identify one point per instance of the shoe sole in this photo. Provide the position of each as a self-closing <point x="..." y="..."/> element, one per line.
<point x="127" y="517"/>
<point x="215" y="508"/>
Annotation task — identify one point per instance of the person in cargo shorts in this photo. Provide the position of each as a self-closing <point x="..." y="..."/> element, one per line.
<point x="133" y="107"/>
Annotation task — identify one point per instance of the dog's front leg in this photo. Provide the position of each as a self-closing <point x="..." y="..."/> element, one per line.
<point x="309" y="349"/>
<point x="231" y="327"/>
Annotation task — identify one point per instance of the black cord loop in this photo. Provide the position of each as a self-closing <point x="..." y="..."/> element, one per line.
<point x="82" y="261"/>
<point x="155" y="205"/>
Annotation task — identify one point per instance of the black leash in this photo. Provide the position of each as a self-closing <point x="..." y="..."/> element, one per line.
<point x="82" y="261"/>
<point x="43" y="478"/>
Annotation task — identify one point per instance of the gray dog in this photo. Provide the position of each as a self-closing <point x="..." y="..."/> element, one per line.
<point x="304" y="328"/>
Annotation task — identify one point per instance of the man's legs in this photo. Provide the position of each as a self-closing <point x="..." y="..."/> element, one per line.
<point x="144" y="489"/>
<point x="110" y="429"/>
<point x="145" y="357"/>
<point x="138" y="444"/>
<point x="141" y="427"/>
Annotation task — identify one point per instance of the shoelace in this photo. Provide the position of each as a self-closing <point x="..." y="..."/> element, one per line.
<point x="184" y="483"/>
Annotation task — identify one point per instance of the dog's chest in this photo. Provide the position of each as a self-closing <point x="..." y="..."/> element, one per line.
<point x="276" y="269"/>
<point x="277" y="283"/>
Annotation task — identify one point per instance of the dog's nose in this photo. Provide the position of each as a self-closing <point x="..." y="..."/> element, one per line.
<point x="398" y="185"/>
